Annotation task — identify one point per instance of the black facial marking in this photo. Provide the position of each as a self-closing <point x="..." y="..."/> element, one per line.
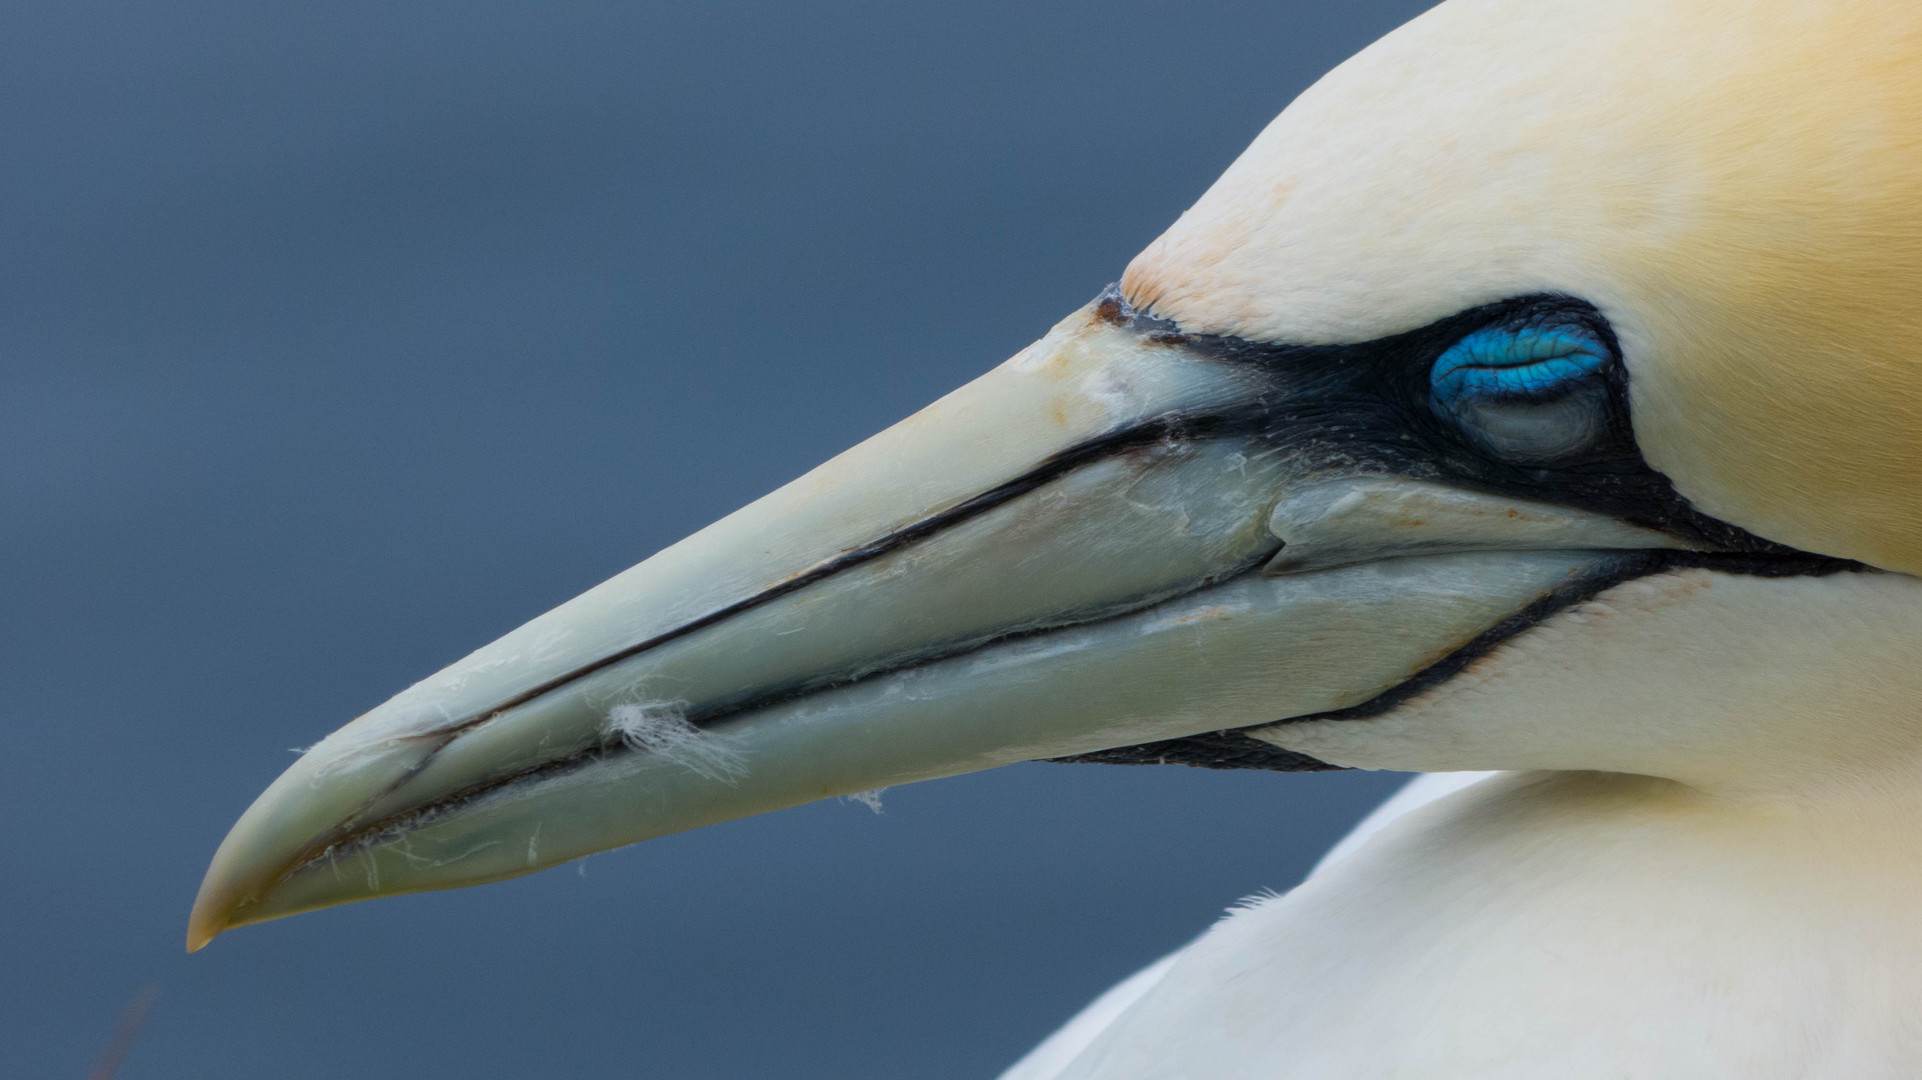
<point x="1369" y="409"/>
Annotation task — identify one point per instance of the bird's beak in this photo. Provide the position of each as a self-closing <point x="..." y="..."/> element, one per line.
<point x="1062" y="557"/>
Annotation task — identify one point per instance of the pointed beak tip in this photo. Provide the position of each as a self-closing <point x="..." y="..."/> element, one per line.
<point x="202" y="928"/>
<point x="212" y="914"/>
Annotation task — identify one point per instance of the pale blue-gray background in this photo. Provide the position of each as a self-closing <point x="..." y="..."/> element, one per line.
<point x="337" y="339"/>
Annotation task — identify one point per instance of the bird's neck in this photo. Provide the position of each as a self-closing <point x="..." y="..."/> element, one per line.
<point x="1574" y="925"/>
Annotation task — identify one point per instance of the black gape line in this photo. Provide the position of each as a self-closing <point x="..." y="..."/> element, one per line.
<point x="1235" y="749"/>
<point x="1367" y="409"/>
<point x="1337" y="410"/>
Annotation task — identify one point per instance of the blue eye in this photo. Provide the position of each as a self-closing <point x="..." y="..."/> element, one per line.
<point x="1528" y="394"/>
<point x="1516" y="363"/>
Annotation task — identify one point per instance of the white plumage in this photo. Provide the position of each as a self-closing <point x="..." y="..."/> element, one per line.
<point x="1058" y="1052"/>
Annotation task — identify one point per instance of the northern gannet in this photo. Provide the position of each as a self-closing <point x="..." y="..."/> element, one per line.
<point x="1540" y="392"/>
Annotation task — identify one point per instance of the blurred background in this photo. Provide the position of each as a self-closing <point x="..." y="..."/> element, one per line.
<point x="338" y="339"/>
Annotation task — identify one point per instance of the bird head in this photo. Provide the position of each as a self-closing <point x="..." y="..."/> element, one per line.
<point x="1542" y="389"/>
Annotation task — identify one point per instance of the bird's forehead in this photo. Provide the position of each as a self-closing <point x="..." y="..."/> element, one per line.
<point x="1736" y="185"/>
<point x="1493" y="147"/>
